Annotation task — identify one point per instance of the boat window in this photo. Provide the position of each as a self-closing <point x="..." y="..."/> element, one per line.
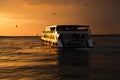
<point x="82" y="28"/>
<point x="68" y="28"/>
<point x="59" y="29"/>
<point x="74" y="36"/>
<point x="52" y="29"/>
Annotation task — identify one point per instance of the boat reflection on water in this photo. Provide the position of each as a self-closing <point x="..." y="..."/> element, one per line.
<point x="71" y="56"/>
<point x="73" y="64"/>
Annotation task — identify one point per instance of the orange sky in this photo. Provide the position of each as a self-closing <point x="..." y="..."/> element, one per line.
<point x="32" y="16"/>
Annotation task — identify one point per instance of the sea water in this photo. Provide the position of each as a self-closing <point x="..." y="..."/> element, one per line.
<point x="26" y="58"/>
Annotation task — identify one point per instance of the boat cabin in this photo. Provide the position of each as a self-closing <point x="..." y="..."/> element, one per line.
<point x="69" y="35"/>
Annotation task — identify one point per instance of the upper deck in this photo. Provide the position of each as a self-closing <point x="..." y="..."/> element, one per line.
<point x="76" y="29"/>
<point x="72" y="28"/>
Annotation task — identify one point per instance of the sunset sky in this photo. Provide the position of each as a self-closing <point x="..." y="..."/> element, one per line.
<point x="31" y="16"/>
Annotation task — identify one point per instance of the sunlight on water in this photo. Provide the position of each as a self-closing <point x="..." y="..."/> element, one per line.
<point x="18" y="64"/>
<point x="29" y="59"/>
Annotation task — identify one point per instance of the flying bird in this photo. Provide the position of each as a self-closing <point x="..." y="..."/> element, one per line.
<point x="86" y="4"/>
<point x="54" y="13"/>
<point x="16" y="26"/>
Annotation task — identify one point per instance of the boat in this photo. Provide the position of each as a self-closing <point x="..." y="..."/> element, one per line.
<point x="64" y="36"/>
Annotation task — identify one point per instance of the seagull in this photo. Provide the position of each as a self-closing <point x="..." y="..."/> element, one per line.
<point x="86" y="4"/>
<point x="16" y="26"/>
<point x="54" y="13"/>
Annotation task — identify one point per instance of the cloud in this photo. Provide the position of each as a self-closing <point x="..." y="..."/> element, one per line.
<point x="56" y="2"/>
<point x="100" y="14"/>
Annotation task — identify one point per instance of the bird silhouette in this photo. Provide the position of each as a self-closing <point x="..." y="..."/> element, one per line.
<point x="54" y="13"/>
<point x="16" y="26"/>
